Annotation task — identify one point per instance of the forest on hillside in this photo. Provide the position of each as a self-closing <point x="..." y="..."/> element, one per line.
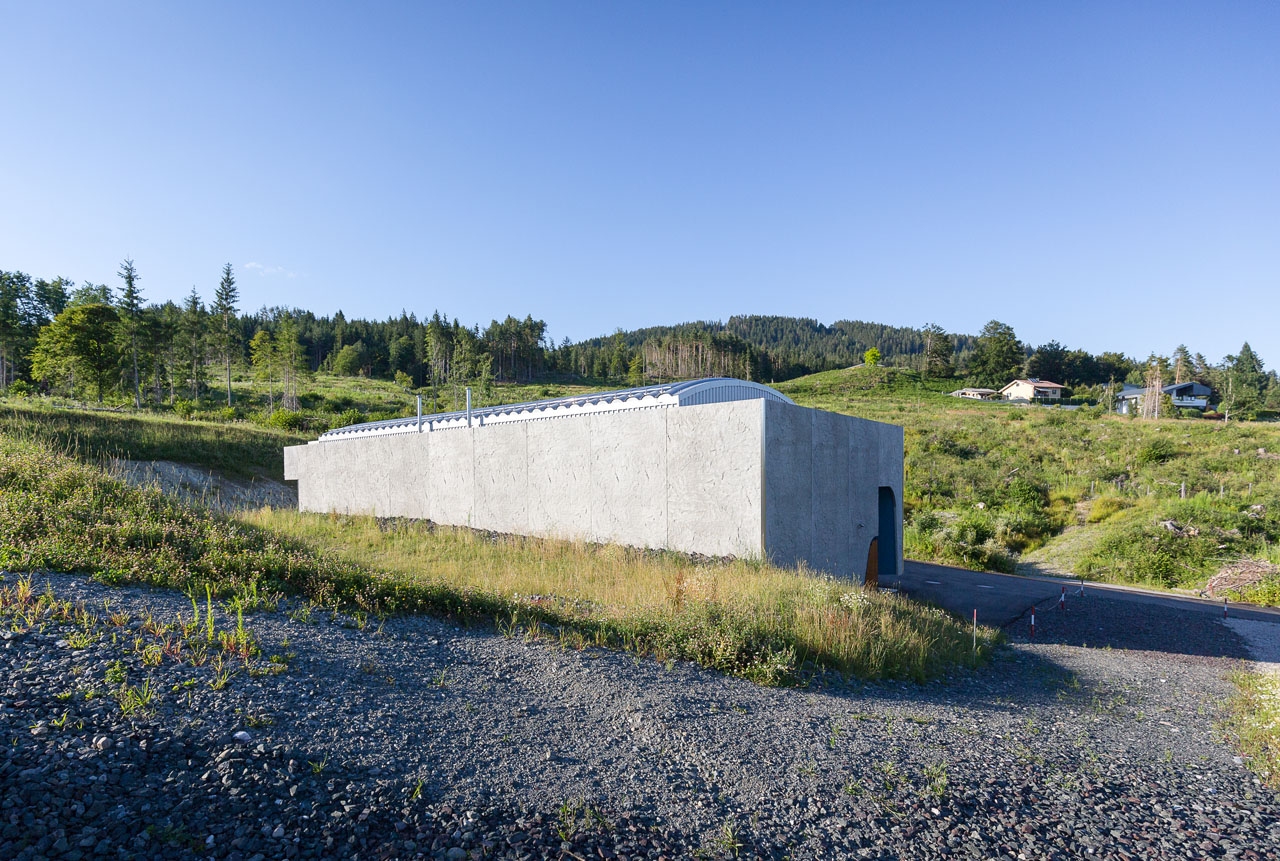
<point x="100" y="341"/>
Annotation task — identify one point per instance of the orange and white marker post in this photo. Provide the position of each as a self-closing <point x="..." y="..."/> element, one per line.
<point x="1033" y="623"/>
<point x="1062" y="602"/>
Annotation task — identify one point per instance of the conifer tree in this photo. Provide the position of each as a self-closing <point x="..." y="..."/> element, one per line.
<point x="998" y="356"/>
<point x="224" y="311"/>
<point x="939" y="351"/>
<point x="130" y="314"/>
<point x="1182" y="365"/>
<point x="192" y="329"/>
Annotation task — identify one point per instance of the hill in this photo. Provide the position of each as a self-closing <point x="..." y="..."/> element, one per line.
<point x="794" y="346"/>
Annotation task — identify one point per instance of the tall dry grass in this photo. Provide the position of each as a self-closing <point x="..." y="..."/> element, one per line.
<point x="746" y="617"/>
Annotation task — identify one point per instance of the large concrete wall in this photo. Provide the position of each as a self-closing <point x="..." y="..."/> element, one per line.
<point x="741" y="478"/>
<point x="823" y="472"/>
<point x="684" y="478"/>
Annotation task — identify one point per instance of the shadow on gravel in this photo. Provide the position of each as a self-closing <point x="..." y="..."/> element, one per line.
<point x="1100" y="622"/>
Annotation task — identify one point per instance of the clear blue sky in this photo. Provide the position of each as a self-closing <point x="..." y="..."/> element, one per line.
<point x="1104" y="174"/>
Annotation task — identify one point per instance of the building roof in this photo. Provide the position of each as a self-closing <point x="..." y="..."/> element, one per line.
<point x="974" y="390"/>
<point x="711" y="390"/>
<point x="1197" y="390"/>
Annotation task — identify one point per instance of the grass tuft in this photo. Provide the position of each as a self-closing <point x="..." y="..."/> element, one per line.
<point x="1254" y="715"/>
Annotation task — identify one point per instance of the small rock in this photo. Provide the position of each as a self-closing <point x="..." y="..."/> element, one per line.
<point x="102" y="742"/>
<point x="242" y="737"/>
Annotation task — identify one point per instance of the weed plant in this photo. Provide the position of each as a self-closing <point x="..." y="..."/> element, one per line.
<point x="1254" y="717"/>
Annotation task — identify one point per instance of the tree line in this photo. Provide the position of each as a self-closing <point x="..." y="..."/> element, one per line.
<point x="99" y="339"/>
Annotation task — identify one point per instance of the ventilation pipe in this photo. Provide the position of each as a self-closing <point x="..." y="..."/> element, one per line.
<point x="468" y="406"/>
<point x="419" y="413"/>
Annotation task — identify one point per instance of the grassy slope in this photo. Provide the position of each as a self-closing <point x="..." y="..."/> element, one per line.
<point x="774" y="626"/>
<point x="238" y="449"/>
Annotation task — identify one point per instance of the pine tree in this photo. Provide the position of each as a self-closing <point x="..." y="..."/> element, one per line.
<point x="1245" y="382"/>
<point x="1182" y="365"/>
<point x="939" y="352"/>
<point x="130" y="319"/>
<point x="1048" y="363"/>
<point x="193" y="334"/>
<point x="224" y="310"/>
<point x="998" y="356"/>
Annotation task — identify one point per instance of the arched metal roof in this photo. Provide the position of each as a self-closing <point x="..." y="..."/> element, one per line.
<point x="711" y="390"/>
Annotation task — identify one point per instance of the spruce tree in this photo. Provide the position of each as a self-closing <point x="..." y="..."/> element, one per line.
<point x="224" y="311"/>
<point x="130" y="320"/>
<point x="1182" y="365"/>
<point x="193" y="338"/>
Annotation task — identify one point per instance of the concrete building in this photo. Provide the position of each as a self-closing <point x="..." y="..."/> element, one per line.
<point x="718" y="466"/>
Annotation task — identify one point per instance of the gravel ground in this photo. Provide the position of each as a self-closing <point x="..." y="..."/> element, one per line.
<point x="422" y="739"/>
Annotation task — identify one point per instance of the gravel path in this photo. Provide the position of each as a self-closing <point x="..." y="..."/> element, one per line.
<point x="422" y="739"/>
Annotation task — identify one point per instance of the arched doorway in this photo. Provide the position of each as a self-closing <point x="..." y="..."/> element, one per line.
<point x="888" y="533"/>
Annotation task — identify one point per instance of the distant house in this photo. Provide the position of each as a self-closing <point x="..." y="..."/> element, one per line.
<point x="1192" y="395"/>
<point x="1031" y="389"/>
<point x="976" y="394"/>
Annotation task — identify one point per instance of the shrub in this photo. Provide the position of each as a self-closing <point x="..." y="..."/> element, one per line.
<point x="927" y="521"/>
<point x="1157" y="450"/>
<point x="1103" y="507"/>
<point x="289" y="420"/>
<point x="20" y="389"/>
<point x="184" y="409"/>
<point x="1021" y="528"/>
<point x="1025" y="493"/>
<point x="350" y="417"/>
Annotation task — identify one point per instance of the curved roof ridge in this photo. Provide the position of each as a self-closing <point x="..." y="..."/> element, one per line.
<point x="681" y="393"/>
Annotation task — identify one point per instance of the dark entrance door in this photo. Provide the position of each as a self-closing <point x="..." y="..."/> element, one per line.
<point x="888" y="533"/>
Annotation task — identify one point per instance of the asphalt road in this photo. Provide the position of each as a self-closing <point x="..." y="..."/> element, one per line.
<point x="1001" y="599"/>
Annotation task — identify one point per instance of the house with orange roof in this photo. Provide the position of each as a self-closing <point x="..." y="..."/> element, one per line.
<point x="1031" y="389"/>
